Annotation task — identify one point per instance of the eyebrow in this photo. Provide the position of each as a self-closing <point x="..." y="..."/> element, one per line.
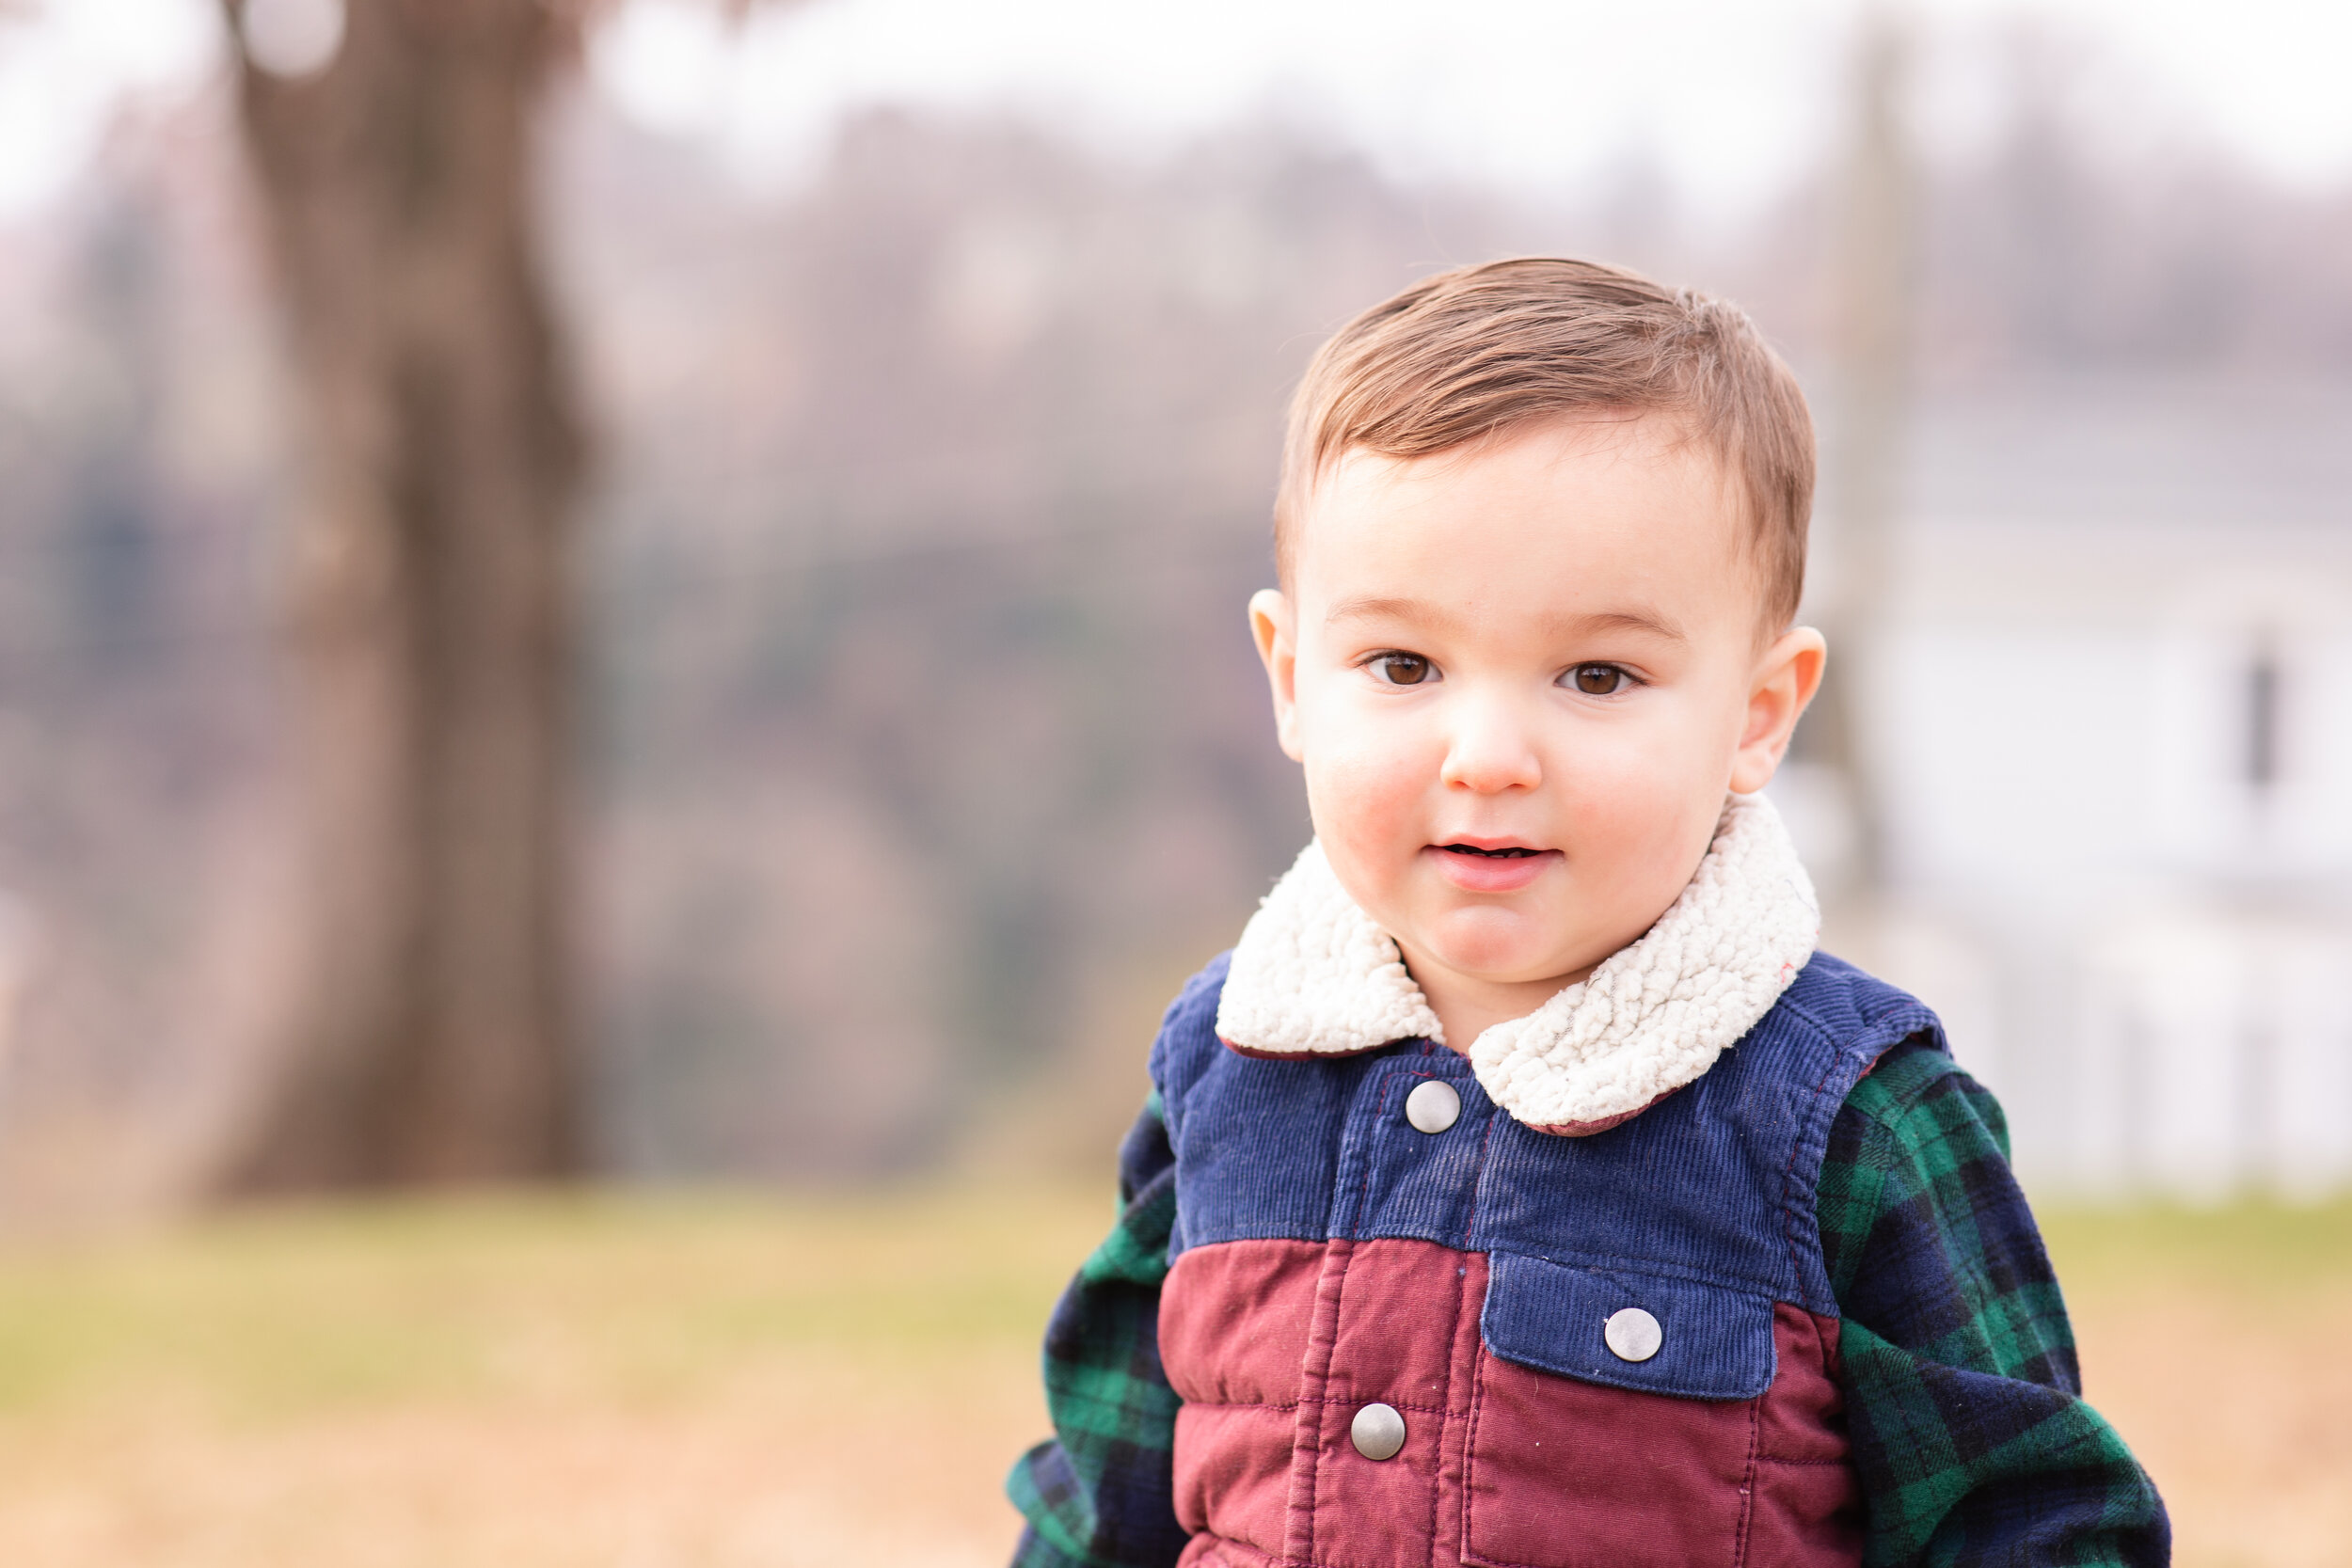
<point x="1369" y="608"/>
<point x="1646" y="621"/>
<point x="1421" y="612"/>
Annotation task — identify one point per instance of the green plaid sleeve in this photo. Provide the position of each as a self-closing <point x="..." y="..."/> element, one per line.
<point x="1098" y="1493"/>
<point x="1964" y="1397"/>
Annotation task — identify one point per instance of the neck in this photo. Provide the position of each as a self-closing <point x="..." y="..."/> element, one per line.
<point x="1467" y="1006"/>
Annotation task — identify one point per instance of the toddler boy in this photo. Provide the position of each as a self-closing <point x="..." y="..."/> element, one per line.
<point x="1523" y="1189"/>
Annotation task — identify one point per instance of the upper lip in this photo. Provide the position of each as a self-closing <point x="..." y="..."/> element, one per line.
<point x="1472" y="841"/>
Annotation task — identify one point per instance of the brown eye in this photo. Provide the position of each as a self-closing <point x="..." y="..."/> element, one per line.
<point x="1598" y="680"/>
<point x="1402" y="669"/>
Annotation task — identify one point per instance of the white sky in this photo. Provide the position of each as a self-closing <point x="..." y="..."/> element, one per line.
<point x="1731" y="96"/>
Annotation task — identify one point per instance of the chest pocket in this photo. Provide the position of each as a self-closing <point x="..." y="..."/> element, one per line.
<point x="1582" y="1455"/>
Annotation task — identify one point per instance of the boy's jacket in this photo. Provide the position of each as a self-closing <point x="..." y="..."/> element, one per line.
<point x="1578" y="1307"/>
<point x="1328" y="1255"/>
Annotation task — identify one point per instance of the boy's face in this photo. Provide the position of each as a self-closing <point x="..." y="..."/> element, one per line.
<point x="1522" y="678"/>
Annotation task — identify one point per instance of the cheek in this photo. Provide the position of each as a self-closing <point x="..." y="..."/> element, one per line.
<point x="1367" y="777"/>
<point x="1652" y="792"/>
<point x="1636" y="770"/>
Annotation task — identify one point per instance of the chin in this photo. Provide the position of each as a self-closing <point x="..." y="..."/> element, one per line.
<point x="1487" y="943"/>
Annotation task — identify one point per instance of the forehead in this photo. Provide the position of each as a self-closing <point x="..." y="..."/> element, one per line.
<point x="1580" y="517"/>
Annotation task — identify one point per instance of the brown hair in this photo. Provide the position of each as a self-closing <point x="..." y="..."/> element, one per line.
<point x="1471" y="353"/>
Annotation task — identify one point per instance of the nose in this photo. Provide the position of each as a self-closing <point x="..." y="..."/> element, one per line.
<point x="1493" y="748"/>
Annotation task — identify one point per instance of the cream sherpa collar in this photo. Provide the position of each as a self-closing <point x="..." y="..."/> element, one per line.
<point x="1313" y="977"/>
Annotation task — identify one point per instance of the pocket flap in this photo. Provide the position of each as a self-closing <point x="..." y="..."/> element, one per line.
<point x="1713" y="1343"/>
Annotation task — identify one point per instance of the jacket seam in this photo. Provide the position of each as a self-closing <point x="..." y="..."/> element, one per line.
<point x="1238" y="1404"/>
<point x="1769" y="1290"/>
<point x="1788" y="1184"/>
<point x="1871" y="1025"/>
<point x="1744" y="1536"/>
<point x="1899" y="1105"/>
<point x="1339" y="1315"/>
<point x="1393" y="1404"/>
<point x="1454" y="1336"/>
<point x="1470" y="1439"/>
<point x="1499" y="1561"/>
<point x="1478" y="1180"/>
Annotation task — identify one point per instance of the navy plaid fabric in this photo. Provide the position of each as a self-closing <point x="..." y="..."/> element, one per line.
<point x="1100" y="1491"/>
<point x="1963" y="1394"/>
<point x="1971" y="1439"/>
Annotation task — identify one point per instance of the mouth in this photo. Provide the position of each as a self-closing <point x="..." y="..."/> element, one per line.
<point x="1496" y="866"/>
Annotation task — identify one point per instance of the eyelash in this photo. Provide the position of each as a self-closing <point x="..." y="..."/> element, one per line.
<point x="1627" y="680"/>
<point x="1379" y="664"/>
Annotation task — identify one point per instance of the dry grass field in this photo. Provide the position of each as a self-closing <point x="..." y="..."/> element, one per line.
<point x="659" y="1382"/>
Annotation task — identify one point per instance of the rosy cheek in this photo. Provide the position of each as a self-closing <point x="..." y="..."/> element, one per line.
<point x="1642" y="817"/>
<point x="1365" y="792"/>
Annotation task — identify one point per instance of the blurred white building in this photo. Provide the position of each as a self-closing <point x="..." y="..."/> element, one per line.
<point x="2113" y="717"/>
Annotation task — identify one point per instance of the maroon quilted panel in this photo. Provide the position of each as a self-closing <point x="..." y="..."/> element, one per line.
<point x="1274" y="1345"/>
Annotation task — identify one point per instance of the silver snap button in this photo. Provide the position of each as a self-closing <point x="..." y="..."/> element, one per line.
<point x="1378" y="1432"/>
<point x="1633" y="1335"/>
<point x="1434" y="1106"/>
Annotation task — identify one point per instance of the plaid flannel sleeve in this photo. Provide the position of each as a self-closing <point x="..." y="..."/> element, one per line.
<point x="1963" y="1396"/>
<point x="1099" y="1493"/>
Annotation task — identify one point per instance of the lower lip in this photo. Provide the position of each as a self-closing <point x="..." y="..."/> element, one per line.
<point x="1492" y="873"/>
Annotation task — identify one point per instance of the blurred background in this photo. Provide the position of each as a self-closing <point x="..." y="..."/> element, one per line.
<point x="652" y="590"/>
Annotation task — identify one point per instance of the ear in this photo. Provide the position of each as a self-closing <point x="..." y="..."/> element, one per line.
<point x="1276" y="629"/>
<point x="1785" y="680"/>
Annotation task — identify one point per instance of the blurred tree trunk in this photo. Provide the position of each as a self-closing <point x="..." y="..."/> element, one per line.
<point x="428" y="1037"/>
<point x="1875" y="282"/>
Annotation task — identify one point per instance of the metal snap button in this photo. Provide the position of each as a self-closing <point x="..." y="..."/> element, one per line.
<point x="1378" y="1432"/>
<point x="1633" y="1335"/>
<point x="1434" y="1106"/>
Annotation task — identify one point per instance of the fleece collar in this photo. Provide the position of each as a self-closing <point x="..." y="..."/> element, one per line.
<point x="1313" y="977"/>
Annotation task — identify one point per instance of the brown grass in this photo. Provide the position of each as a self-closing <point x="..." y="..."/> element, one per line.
<point x="2221" y="1345"/>
<point x="739" y="1384"/>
